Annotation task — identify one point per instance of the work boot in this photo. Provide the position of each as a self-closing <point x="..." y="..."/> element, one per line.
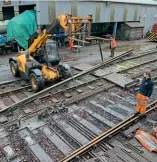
<point x="142" y="115"/>
<point x="136" y="113"/>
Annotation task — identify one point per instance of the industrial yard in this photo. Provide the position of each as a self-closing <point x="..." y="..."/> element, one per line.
<point x="70" y="82"/>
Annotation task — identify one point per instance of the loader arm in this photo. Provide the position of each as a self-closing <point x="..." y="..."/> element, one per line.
<point x="45" y="35"/>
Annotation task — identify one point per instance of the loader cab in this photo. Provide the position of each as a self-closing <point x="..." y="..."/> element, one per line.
<point x="51" y="56"/>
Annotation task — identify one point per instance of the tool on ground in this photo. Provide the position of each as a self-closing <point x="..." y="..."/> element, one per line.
<point x="41" y="62"/>
<point x="147" y="140"/>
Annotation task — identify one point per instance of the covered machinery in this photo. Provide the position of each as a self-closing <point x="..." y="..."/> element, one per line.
<point x="41" y="62"/>
<point x="21" y="27"/>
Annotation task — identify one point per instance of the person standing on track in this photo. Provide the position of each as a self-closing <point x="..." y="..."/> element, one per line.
<point x="113" y="45"/>
<point x="145" y="91"/>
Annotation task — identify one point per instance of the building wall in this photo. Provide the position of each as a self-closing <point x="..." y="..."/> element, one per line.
<point x="103" y="11"/>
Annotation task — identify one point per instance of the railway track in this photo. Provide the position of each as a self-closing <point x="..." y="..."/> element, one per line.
<point x="58" y="135"/>
<point x="24" y="97"/>
<point x="61" y="85"/>
<point x="54" y="126"/>
<point x="107" y="134"/>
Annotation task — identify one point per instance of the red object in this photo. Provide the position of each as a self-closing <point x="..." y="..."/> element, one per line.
<point x="113" y="43"/>
<point x="147" y="140"/>
<point x="71" y="44"/>
<point x="154" y="30"/>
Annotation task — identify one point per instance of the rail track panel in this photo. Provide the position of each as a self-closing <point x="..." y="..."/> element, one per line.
<point x="57" y="123"/>
<point x="59" y="135"/>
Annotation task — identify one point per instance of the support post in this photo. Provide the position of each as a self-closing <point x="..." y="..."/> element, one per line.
<point x="16" y="10"/>
<point x="101" y="52"/>
<point x="1" y="14"/>
<point x="115" y="30"/>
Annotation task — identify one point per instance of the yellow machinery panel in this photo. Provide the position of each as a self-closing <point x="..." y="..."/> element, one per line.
<point x="21" y="61"/>
<point x="49" y="73"/>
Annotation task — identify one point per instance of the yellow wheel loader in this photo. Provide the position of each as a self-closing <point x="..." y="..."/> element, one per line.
<point x="41" y="62"/>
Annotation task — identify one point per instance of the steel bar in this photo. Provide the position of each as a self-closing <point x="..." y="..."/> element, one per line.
<point x="14" y="90"/>
<point x="135" y="57"/>
<point x="49" y="89"/>
<point x="10" y="81"/>
<point x="143" y="63"/>
<point x="78" y="40"/>
<point x="102" y="59"/>
<point x="99" y="38"/>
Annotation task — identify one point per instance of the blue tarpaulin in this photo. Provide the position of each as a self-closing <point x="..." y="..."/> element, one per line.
<point x="3" y="39"/>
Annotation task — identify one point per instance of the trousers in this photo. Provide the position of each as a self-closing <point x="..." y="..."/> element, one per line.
<point x="112" y="51"/>
<point x="141" y="103"/>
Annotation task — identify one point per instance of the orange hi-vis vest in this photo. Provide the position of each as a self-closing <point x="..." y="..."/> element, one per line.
<point x="113" y="43"/>
<point x="71" y="43"/>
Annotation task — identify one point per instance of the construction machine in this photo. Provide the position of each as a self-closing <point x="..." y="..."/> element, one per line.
<point x="41" y="62"/>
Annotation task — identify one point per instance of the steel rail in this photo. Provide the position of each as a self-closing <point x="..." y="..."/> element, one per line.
<point x="14" y="90"/>
<point x="141" y="73"/>
<point x="49" y="89"/>
<point x="10" y="81"/>
<point x="137" y="56"/>
<point x="65" y="102"/>
<point x="143" y="63"/>
<point x="107" y="134"/>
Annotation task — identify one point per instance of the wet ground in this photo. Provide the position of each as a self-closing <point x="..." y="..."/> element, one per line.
<point x="88" y="54"/>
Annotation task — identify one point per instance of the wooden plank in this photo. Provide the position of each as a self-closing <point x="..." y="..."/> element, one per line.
<point x="2" y="105"/>
<point x="54" y="100"/>
<point x="91" y="87"/>
<point x="57" y="141"/>
<point x="83" y="66"/>
<point x="103" y="72"/>
<point x="14" y="98"/>
<point x="118" y="79"/>
<point x="108" y="110"/>
<point x="79" y="90"/>
<point x="100" y="118"/>
<point x="87" y="124"/>
<point x="68" y="95"/>
<point x="27" y="93"/>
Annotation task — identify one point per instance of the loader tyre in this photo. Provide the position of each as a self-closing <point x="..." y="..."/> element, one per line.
<point x="37" y="82"/>
<point x="14" y="69"/>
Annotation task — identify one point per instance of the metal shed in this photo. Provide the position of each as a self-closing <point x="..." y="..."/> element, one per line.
<point x="131" y="31"/>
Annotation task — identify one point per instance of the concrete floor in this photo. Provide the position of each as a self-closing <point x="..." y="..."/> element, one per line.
<point x="88" y="54"/>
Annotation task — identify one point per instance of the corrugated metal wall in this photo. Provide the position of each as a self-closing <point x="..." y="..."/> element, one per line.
<point x="102" y="11"/>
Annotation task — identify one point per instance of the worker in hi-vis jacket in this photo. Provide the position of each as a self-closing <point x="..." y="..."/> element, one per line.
<point x="113" y="45"/>
<point x="144" y="93"/>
